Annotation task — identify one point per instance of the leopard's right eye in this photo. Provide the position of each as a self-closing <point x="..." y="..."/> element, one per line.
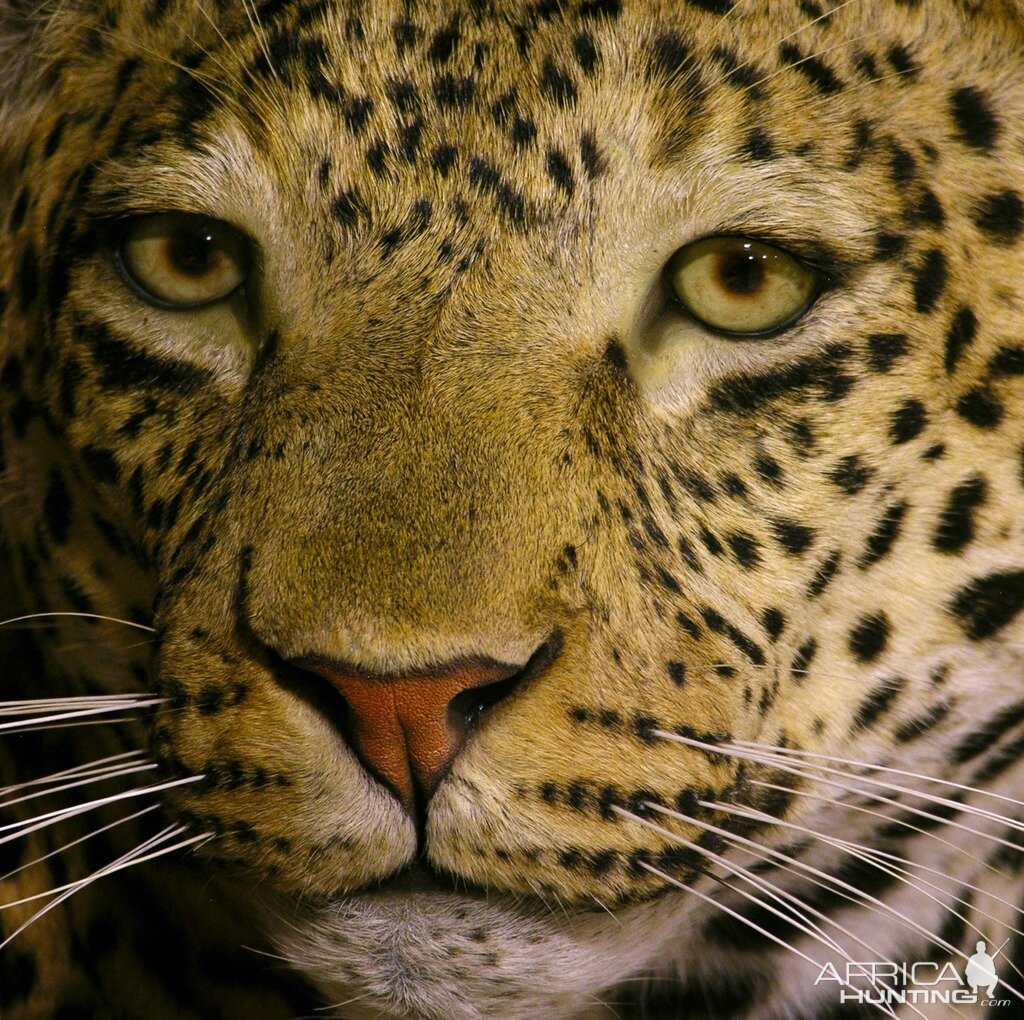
<point x="740" y="287"/>
<point x="182" y="261"/>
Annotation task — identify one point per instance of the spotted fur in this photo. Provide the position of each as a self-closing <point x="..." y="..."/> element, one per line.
<point x="459" y="418"/>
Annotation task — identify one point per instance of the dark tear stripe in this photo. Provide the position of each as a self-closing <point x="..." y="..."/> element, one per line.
<point x="123" y="367"/>
<point x="983" y="738"/>
<point x="742" y="394"/>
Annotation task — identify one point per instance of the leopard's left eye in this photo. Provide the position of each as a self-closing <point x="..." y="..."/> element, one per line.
<point x="181" y="261"/>
<point x="741" y="287"/>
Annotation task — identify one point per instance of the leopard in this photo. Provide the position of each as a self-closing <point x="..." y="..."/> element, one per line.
<point x="511" y="508"/>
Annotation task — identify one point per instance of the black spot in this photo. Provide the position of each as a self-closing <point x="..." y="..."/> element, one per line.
<point x="357" y="113"/>
<point x="670" y="56"/>
<point x="557" y="85"/>
<point x="989" y="603"/>
<point x="689" y="625"/>
<point x="889" y="245"/>
<point x="745" y="548"/>
<point x="921" y="724"/>
<point x="803" y="658"/>
<point x="347" y="208"/>
<point x="586" y="52"/>
<point x="454" y="93"/>
<point x="903" y="164"/>
<point x="961" y="334"/>
<point x="102" y="464"/>
<point x="1007" y="361"/>
<point x="907" y="422"/>
<point x="885" y="348"/>
<point x="881" y="540"/>
<point x="507" y="199"/>
<point x="868" y="638"/>
<point x="975" y="121"/>
<point x="819" y="74"/>
<point x="560" y="172"/>
<point x="590" y="156"/>
<point x="851" y="474"/>
<point x="1001" y="216"/>
<point x="955" y="528"/>
<point x="794" y="537"/>
<point x="377" y="157"/>
<point x="444" y="159"/>
<point x="930" y="280"/>
<point x="902" y="61"/>
<point x="774" y="622"/>
<point x="759" y="145"/>
<point x="824" y="574"/>
<point x="593" y="10"/>
<point x="677" y="673"/>
<point x="981" y="407"/>
<point x="927" y="210"/>
<point x="878" y="701"/>
<point x="769" y="469"/>
<point x="443" y="45"/>
<point x="982" y="739"/>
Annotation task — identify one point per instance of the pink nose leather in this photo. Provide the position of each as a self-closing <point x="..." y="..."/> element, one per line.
<point x="402" y="727"/>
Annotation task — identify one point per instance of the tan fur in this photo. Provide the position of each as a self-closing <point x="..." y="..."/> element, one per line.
<point x="440" y="455"/>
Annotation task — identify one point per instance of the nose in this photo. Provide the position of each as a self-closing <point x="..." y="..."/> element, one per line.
<point x="407" y="729"/>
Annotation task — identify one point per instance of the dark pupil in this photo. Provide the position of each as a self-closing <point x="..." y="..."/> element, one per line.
<point x="192" y="254"/>
<point x="741" y="272"/>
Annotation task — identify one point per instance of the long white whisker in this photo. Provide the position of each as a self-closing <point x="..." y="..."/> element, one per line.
<point x="960" y="851"/>
<point x="107" y="774"/>
<point x="81" y="839"/>
<point x="727" y="910"/>
<point x="765" y="853"/>
<point x="129" y="859"/>
<point x="21" y="726"/>
<point x="74" y="771"/>
<point x="755" y="815"/>
<point x="783" y="765"/>
<point x="24" y="828"/>
<point x="799" y="753"/>
<point x="83" y="616"/>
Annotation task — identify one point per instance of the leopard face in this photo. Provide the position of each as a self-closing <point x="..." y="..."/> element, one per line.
<point x="452" y="417"/>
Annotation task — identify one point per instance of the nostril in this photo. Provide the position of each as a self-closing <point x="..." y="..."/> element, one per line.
<point x="467" y="708"/>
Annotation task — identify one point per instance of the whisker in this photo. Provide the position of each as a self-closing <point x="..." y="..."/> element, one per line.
<point x="960" y="851"/>
<point x="752" y="847"/>
<point x="779" y="763"/>
<point x="83" y="616"/>
<point x="53" y="817"/>
<point x="859" y="848"/>
<point x="133" y="857"/>
<point x="727" y="910"/>
<point x="101" y="776"/>
<point x="23" y="726"/>
<point x="756" y="815"/>
<point x="797" y="752"/>
<point x="75" y="842"/>
<point x="75" y="770"/>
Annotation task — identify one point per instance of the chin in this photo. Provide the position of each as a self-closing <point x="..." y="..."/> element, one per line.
<point x="416" y="951"/>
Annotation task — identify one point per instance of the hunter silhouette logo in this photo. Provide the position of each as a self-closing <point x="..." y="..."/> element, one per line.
<point x="981" y="970"/>
<point x="883" y="983"/>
